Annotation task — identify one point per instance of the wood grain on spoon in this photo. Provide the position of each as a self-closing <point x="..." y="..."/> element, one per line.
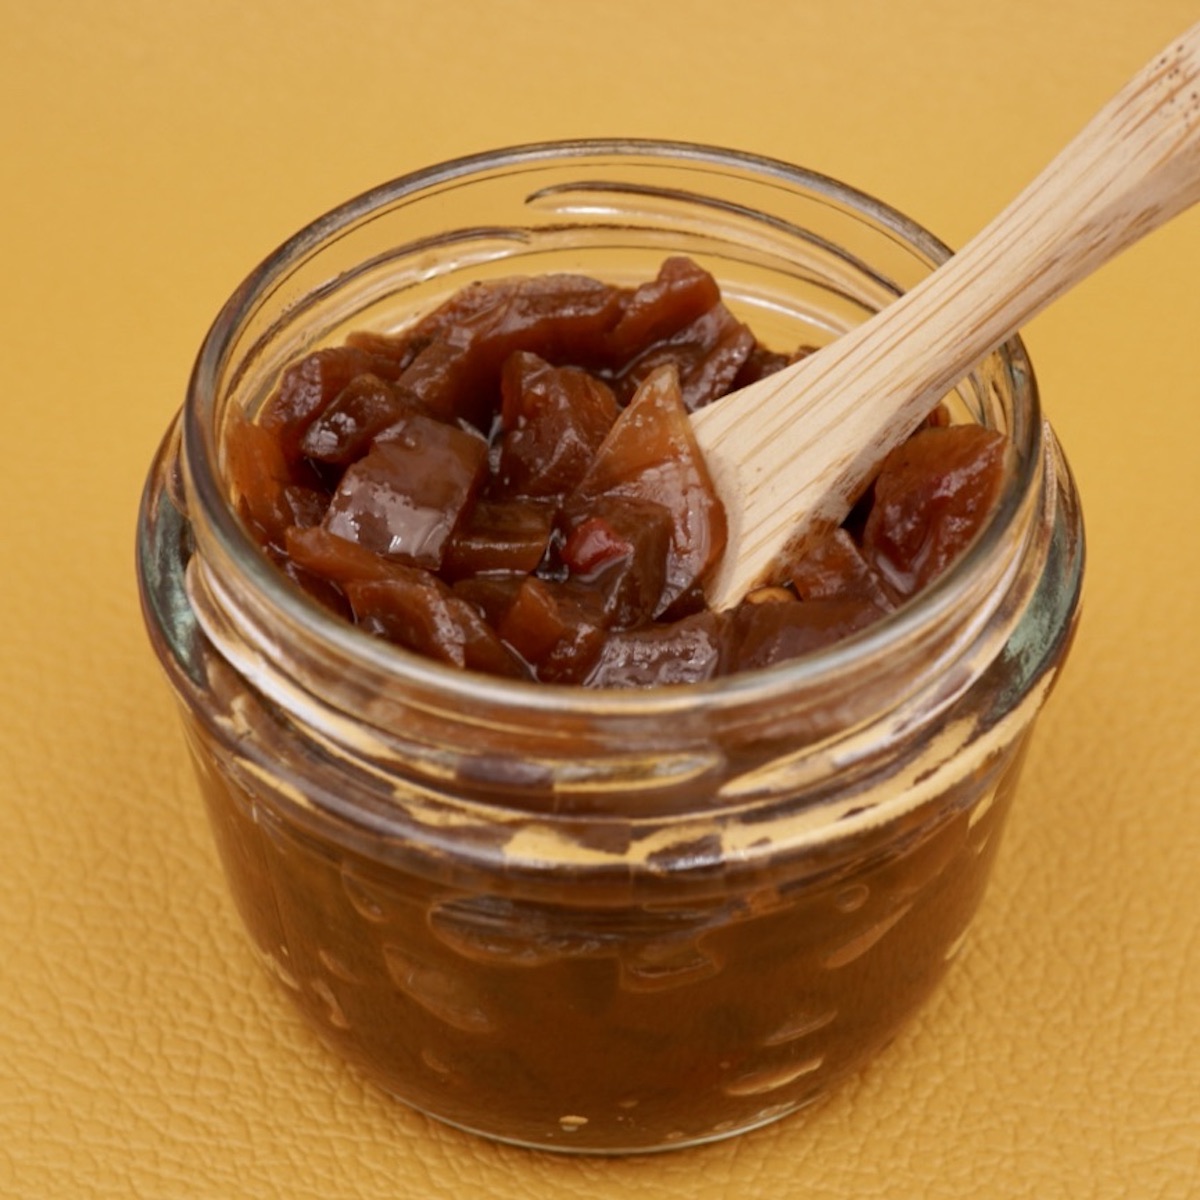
<point x="789" y="454"/>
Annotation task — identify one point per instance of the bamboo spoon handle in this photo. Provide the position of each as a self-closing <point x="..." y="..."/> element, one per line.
<point x="789" y="454"/>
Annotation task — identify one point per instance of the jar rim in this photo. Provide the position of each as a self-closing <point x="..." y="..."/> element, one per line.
<point x="200" y="457"/>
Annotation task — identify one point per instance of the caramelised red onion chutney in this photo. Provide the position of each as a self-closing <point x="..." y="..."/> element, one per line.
<point x="511" y="486"/>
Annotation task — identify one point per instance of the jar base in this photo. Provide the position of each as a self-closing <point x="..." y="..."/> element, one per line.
<point x="581" y="1149"/>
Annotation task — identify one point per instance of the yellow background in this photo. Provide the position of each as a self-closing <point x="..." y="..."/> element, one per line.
<point x="151" y="153"/>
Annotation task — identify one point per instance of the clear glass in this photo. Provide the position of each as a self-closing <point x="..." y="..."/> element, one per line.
<point x="592" y="920"/>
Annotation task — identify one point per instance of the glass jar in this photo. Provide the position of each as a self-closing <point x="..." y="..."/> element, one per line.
<point x="585" y="920"/>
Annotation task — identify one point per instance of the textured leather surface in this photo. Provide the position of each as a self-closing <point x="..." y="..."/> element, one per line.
<point x="152" y="154"/>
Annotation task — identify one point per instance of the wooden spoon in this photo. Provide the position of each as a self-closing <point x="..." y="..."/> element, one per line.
<point x="789" y="454"/>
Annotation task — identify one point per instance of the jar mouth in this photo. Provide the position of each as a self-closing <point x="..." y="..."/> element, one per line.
<point x="252" y="571"/>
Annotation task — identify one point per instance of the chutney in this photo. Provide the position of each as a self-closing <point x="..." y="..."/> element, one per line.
<point x="511" y="485"/>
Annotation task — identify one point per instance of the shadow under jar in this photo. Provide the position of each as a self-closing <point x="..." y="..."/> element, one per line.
<point x="589" y="920"/>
